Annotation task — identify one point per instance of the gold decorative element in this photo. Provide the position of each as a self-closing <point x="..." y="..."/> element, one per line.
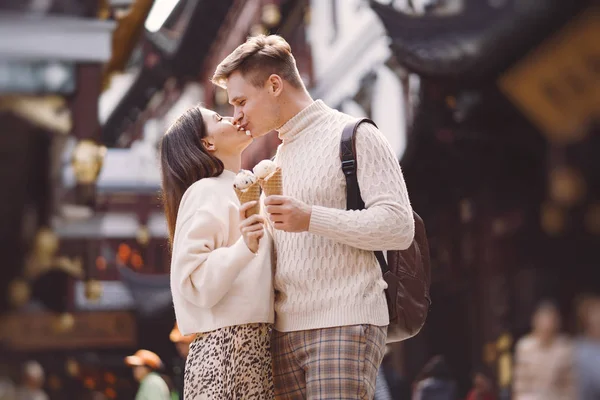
<point x="43" y="257"/>
<point x="505" y="370"/>
<point x="87" y="160"/>
<point x="72" y="266"/>
<point x="271" y="16"/>
<point x="63" y="323"/>
<point x="45" y="246"/>
<point x="103" y="9"/>
<point x="72" y="368"/>
<point x="553" y="219"/>
<point x="48" y="112"/>
<point x="93" y="290"/>
<point x="19" y="293"/>
<point x="541" y="85"/>
<point x="143" y="235"/>
<point x="504" y="342"/>
<point x="567" y="186"/>
<point x="503" y="346"/>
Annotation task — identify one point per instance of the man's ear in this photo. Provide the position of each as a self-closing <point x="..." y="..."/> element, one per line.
<point x="208" y="144"/>
<point x="275" y="85"/>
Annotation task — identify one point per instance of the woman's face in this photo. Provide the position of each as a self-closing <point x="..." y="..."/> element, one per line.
<point x="222" y="137"/>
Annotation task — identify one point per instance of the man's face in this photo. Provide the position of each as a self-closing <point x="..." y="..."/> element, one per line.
<point x="546" y="322"/>
<point x="256" y="109"/>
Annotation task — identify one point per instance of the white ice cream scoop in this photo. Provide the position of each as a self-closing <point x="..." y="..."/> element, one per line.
<point x="244" y="179"/>
<point x="264" y="169"/>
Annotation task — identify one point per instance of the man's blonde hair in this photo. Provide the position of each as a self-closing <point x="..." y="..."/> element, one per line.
<point x="257" y="59"/>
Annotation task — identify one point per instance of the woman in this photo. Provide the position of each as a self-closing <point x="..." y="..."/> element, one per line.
<point x="221" y="276"/>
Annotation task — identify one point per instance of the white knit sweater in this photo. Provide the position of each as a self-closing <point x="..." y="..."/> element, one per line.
<point x="216" y="281"/>
<point x="329" y="276"/>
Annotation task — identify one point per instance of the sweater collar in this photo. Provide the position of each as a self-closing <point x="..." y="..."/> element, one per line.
<point x="298" y="123"/>
<point x="228" y="175"/>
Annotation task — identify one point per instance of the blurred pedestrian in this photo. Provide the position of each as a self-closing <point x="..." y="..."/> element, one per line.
<point x="221" y="265"/>
<point x="182" y="344"/>
<point x="587" y="349"/>
<point x="145" y="365"/>
<point x="483" y="388"/>
<point x="544" y="360"/>
<point x="382" y="389"/>
<point x="390" y="384"/>
<point x="33" y="382"/>
<point x="435" y="381"/>
<point x="7" y="386"/>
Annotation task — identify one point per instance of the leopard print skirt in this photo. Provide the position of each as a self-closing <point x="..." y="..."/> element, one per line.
<point x="229" y="364"/>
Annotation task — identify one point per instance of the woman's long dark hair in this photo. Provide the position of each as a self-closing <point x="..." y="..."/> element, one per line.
<point x="184" y="160"/>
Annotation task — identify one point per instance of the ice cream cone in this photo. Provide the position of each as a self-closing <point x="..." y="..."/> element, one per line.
<point x="250" y="194"/>
<point x="273" y="184"/>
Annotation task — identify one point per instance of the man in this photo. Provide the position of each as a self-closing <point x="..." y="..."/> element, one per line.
<point x="33" y="382"/>
<point x="152" y="387"/>
<point x="331" y="311"/>
<point x="544" y="360"/>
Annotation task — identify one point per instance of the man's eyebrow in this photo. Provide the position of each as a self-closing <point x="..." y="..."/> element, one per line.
<point x="235" y="99"/>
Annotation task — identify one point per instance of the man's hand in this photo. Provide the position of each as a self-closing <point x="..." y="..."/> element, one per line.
<point x="288" y="214"/>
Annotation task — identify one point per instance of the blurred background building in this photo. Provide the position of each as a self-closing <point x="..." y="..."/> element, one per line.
<point x="491" y="107"/>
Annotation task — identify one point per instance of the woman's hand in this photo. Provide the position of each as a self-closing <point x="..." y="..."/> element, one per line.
<point x="252" y="227"/>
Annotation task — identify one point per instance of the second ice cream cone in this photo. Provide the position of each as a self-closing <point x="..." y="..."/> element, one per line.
<point x="273" y="184"/>
<point x="250" y="194"/>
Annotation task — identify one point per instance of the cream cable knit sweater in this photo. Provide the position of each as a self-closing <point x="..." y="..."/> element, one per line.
<point x="216" y="281"/>
<point x="329" y="276"/>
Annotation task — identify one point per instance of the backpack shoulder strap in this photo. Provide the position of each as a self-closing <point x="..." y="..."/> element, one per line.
<point x="349" y="163"/>
<point x="354" y="199"/>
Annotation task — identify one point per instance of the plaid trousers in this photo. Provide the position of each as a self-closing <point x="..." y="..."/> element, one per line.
<point x="328" y="363"/>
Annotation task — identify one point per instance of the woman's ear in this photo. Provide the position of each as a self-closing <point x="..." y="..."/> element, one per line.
<point x="208" y="145"/>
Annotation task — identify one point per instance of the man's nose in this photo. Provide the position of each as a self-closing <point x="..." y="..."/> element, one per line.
<point x="237" y="117"/>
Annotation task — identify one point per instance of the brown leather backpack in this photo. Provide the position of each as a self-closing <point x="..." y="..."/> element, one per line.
<point x="407" y="272"/>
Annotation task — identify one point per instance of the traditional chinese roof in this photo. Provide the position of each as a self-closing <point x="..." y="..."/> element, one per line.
<point x="477" y="41"/>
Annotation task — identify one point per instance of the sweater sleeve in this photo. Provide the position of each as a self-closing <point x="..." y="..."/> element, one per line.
<point x="203" y="267"/>
<point x="387" y="221"/>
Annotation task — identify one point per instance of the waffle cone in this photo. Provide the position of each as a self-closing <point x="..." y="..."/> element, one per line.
<point x="250" y="194"/>
<point x="273" y="184"/>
